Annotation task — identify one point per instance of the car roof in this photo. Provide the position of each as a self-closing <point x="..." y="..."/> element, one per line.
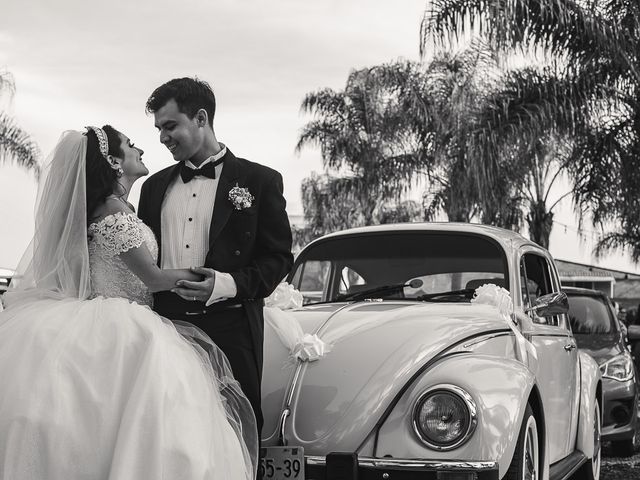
<point x="507" y="238"/>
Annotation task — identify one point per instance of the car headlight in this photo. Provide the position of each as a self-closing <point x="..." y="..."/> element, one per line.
<point x="618" y="368"/>
<point x="444" y="417"/>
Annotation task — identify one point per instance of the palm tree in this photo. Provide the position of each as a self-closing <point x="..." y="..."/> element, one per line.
<point x="362" y="141"/>
<point x="15" y="144"/>
<point x="545" y="165"/>
<point x="395" y="124"/>
<point x="589" y="91"/>
<point x="333" y="203"/>
<point x="436" y="109"/>
<point x="443" y="98"/>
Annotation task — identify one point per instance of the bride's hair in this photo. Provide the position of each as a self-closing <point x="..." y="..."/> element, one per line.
<point x="100" y="176"/>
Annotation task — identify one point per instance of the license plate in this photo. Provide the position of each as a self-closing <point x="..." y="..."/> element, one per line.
<point x="282" y="463"/>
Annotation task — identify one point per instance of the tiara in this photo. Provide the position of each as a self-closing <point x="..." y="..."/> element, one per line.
<point x="102" y="140"/>
<point x="103" y="143"/>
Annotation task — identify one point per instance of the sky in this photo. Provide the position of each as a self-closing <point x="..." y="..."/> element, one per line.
<point x="82" y="62"/>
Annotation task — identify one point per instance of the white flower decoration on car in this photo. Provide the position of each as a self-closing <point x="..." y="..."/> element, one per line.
<point x="284" y="297"/>
<point x="491" y="294"/>
<point x="302" y="346"/>
<point x="240" y="197"/>
<point x="500" y="298"/>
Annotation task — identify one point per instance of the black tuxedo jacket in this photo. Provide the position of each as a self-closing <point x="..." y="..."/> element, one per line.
<point x="253" y="244"/>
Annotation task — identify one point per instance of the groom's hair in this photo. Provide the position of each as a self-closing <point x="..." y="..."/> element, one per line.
<point x="191" y="94"/>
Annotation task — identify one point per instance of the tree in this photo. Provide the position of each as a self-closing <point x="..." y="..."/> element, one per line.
<point x="393" y="125"/>
<point x="15" y="144"/>
<point x="437" y="109"/>
<point x="545" y="164"/>
<point x="367" y="153"/>
<point x="444" y="98"/>
<point x="589" y="91"/>
<point x="334" y="203"/>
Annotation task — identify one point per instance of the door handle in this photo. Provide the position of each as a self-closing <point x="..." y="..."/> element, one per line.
<point x="569" y="346"/>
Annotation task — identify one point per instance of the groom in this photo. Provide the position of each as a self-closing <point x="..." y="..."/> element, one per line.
<point x="220" y="211"/>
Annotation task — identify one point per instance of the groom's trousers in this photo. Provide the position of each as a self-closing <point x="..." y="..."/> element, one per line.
<point x="227" y="326"/>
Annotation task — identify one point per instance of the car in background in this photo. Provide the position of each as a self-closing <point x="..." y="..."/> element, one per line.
<point x="5" y="279"/>
<point x="598" y="332"/>
<point x="425" y="378"/>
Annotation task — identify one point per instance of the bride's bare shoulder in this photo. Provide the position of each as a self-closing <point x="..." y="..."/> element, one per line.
<point x="111" y="206"/>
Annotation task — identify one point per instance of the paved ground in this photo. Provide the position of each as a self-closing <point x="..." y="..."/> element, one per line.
<point x="629" y="469"/>
<point x="614" y="468"/>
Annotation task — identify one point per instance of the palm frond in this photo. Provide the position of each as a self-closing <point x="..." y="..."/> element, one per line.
<point x="529" y="105"/>
<point x="559" y="27"/>
<point x="324" y="103"/>
<point x="17" y="146"/>
<point x="622" y="240"/>
<point x="7" y="83"/>
<point x="596" y="166"/>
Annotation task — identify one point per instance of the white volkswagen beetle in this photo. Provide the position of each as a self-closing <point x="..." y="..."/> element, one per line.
<point x="435" y="371"/>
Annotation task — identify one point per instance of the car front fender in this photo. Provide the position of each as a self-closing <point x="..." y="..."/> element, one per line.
<point x="500" y="388"/>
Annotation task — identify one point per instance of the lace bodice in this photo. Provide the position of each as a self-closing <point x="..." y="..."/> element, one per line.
<point x="109" y="237"/>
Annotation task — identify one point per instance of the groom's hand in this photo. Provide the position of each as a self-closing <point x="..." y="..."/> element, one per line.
<point x="197" y="291"/>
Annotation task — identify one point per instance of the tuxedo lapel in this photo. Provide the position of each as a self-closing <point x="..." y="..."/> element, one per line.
<point x="231" y="174"/>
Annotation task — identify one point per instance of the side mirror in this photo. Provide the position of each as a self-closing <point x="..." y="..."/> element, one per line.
<point x="551" y="304"/>
<point x="633" y="333"/>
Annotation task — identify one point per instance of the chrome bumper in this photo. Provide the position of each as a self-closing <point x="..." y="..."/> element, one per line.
<point x="418" y="465"/>
<point x="349" y="466"/>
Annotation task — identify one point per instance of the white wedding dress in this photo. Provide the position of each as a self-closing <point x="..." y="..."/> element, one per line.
<point x="102" y="388"/>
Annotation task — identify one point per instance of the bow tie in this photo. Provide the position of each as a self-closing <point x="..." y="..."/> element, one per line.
<point x="208" y="170"/>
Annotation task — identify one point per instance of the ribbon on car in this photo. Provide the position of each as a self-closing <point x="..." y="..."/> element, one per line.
<point x="302" y="346"/>
<point x="490" y="294"/>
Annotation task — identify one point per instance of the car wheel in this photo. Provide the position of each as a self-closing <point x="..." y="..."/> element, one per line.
<point x="526" y="458"/>
<point x="591" y="469"/>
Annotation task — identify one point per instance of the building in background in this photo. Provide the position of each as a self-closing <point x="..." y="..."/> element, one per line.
<point x="623" y="287"/>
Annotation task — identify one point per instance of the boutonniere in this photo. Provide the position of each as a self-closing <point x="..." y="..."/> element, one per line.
<point x="240" y="197"/>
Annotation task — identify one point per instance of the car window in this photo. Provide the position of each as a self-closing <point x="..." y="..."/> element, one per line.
<point x="437" y="262"/>
<point x="312" y="280"/>
<point x="590" y="315"/>
<point x="350" y="281"/>
<point x="535" y="281"/>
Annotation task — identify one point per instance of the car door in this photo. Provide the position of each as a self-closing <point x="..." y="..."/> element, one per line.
<point x="557" y="356"/>
<point x="571" y="347"/>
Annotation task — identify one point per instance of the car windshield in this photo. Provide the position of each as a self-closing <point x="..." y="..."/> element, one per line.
<point x="590" y="315"/>
<point x="439" y="267"/>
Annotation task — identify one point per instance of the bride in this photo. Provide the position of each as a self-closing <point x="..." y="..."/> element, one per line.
<point x="95" y="385"/>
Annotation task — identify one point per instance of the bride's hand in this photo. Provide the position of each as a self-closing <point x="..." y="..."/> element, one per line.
<point x="197" y="291"/>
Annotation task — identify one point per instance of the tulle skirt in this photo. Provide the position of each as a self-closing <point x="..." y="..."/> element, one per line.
<point x="105" y="389"/>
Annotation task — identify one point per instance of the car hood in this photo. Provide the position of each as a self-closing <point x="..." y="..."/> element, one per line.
<point x="600" y="347"/>
<point x="376" y="349"/>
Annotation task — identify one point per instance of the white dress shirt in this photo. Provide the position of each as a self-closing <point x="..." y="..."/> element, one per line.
<point x="187" y="210"/>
